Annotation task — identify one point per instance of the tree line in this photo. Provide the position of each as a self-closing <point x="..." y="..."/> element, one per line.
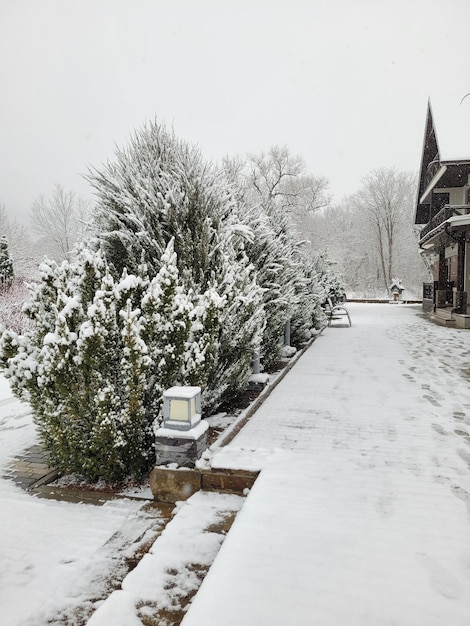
<point x="369" y="236"/>
<point x="185" y="272"/>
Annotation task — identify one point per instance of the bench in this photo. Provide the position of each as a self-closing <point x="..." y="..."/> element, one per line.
<point x="336" y="311"/>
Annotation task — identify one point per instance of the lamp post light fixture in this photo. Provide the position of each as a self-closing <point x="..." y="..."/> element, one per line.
<point x="181" y="407"/>
<point x="183" y="436"/>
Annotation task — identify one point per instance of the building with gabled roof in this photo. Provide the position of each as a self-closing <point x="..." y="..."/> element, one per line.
<point x="443" y="209"/>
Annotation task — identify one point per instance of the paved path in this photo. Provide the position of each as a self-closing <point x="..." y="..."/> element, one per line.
<point x="361" y="514"/>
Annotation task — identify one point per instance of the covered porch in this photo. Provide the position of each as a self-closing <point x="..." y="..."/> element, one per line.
<point x="446" y="239"/>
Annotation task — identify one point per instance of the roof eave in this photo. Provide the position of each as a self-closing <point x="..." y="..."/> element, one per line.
<point x="465" y="161"/>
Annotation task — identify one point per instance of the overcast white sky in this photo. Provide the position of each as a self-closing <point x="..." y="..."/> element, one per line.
<point x="343" y="83"/>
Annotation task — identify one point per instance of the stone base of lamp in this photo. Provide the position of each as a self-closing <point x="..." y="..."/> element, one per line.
<point x="182" y="447"/>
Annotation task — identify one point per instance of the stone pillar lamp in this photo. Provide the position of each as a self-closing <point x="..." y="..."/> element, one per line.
<point x="183" y="436"/>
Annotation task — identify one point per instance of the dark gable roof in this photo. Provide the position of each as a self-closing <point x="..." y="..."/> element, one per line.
<point x="446" y="143"/>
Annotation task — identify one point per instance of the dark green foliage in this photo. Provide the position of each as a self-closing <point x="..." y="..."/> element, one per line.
<point x="99" y="356"/>
<point x="6" y="264"/>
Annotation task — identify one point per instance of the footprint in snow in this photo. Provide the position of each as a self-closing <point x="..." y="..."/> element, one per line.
<point x="461" y="494"/>
<point x="463" y="434"/>
<point x="438" y="428"/>
<point x="432" y="400"/>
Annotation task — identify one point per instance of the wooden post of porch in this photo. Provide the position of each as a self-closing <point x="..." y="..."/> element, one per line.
<point x="442" y="280"/>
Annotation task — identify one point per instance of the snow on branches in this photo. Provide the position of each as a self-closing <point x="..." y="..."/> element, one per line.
<point x="159" y="189"/>
<point x="185" y="279"/>
<point x="100" y="354"/>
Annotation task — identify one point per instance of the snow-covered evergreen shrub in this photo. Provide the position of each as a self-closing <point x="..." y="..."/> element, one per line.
<point x="6" y="264"/>
<point x="241" y="322"/>
<point x="100" y="354"/>
<point x="270" y="252"/>
<point x="286" y="270"/>
<point x="308" y="314"/>
<point x="320" y="284"/>
<point x="159" y="188"/>
<point x="330" y="280"/>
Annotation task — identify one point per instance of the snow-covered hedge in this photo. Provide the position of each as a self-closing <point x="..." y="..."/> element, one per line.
<point x="184" y="280"/>
<point x="100" y="354"/>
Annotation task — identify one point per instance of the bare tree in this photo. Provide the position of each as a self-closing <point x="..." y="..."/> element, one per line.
<point x="19" y="245"/>
<point x="386" y="200"/>
<point x="11" y="307"/>
<point x="279" y="177"/>
<point x="61" y="220"/>
<point x="370" y="235"/>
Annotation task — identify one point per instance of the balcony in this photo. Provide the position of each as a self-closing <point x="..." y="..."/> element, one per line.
<point x="433" y="227"/>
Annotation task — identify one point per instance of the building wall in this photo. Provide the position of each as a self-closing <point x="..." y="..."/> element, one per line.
<point x="457" y="195"/>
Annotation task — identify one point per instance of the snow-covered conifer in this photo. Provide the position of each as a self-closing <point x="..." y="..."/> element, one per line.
<point x="100" y="354"/>
<point x="241" y="317"/>
<point x="202" y="346"/>
<point x="159" y="189"/>
<point x="6" y="264"/>
<point x="166" y="311"/>
<point x="136" y="439"/>
<point x="286" y="268"/>
<point x="69" y="367"/>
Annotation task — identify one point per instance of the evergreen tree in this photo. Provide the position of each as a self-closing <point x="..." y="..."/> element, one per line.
<point x="270" y="253"/>
<point x="166" y="311"/>
<point x="274" y="194"/>
<point x="156" y="189"/>
<point x="6" y="264"/>
<point x="277" y="254"/>
<point x="159" y="189"/>
<point x="100" y="354"/>
<point x="310" y="295"/>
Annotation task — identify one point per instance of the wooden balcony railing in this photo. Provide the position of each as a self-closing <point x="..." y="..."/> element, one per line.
<point x="444" y="214"/>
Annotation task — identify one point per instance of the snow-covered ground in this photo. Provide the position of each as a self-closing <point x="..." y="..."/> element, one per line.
<point x="360" y="516"/>
<point x="48" y="549"/>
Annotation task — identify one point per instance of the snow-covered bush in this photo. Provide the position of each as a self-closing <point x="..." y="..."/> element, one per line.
<point x="270" y="252"/>
<point x="6" y="265"/>
<point x="308" y="314"/>
<point x="330" y="280"/>
<point x="241" y="321"/>
<point x="159" y="188"/>
<point x="285" y="268"/>
<point x="100" y="354"/>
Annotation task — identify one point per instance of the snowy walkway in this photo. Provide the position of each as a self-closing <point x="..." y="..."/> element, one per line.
<point x="361" y="515"/>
